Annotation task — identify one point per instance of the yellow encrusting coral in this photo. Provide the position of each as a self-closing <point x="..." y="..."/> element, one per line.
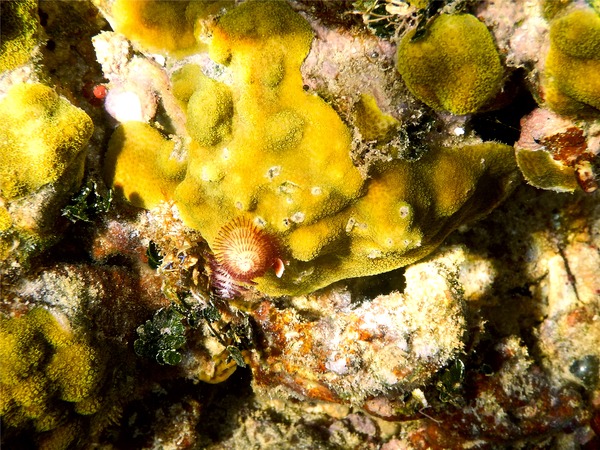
<point x="273" y="120"/>
<point x="46" y="370"/>
<point x="455" y="67"/>
<point x="373" y="124"/>
<point x="208" y="104"/>
<point x="41" y="139"/>
<point x="408" y="209"/>
<point x="42" y="148"/>
<point x="18" y="30"/>
<point x="542" y="171"/>
<point x="164" y="26"/>
<point x="141" y="166"/>
<point x="266" y="150"/>
<point x="572" y="72"/>
<point x="5" y="220"/>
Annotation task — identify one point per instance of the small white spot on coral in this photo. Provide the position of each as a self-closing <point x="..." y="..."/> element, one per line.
<point x="226" y="153"/>
<point x="272" y="172"/>
<point x="459" y="131"/>
<point x="404" y="211"/>
<point x="161" y="60"/>
<point x="297" y="217"/>
<point x="205" y="174"/>
<point x="373" y="254"/>
<point x="239" y="205"/>
<point x="350" y="224"/>
<point x="288" y="187"/>
<point x="316" y="190"/>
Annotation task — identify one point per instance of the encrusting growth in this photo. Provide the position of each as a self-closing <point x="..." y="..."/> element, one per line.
<point x="455" y="67"/>
<point x="263" y="148"/>
<point x="48" y="373"/>
<point x="572" y="73"/>
<point x="43" y="138"/>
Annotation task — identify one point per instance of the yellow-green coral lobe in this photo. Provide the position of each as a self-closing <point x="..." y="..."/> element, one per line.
<point x="165" y="26"/>
<point x="42" y="137"/>
<point x="577" y="34"/>
<point x="408" y="209"/>
<point x="209" y="111"/>
<point x="46" y="368"/>
<point x="18" y="30"/>
<point x="542" y="171"/>
<point x="258" y="169"/>
<point x="373" y="124"/>
<point x="572" y="71"/>
<point x="156" y="25"/>
<point x="141" y="166"/>
<point x="455" y="67"/>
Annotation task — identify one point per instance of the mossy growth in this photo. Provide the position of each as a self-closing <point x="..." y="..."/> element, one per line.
<point x="454" y="67"/>
<point x="18" y="32"/>
<point x="572" y="73"/>
<point x="49" y="376"/>
<point x="266" y="149"/>
<point x="88" y="203"/>
<point x="164" y="26"/>
<point x="162" y="337"/>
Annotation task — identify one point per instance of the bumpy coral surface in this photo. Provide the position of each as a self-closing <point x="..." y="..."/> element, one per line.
<point x="455" y="67"/>
<point x="156" y="174"/>
<point x="18" y="32"/>
<point x="373" y="124"/>
<point x="47" y="373"/>
<point x="42" y="142"/>
<point x="263" y="148"/>
<point x="43" y="135"/>
<point x="572" y="84"/>
<point x="163" y="26"/>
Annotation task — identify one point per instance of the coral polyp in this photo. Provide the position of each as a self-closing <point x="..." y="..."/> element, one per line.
<point x="245" y="251"/>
